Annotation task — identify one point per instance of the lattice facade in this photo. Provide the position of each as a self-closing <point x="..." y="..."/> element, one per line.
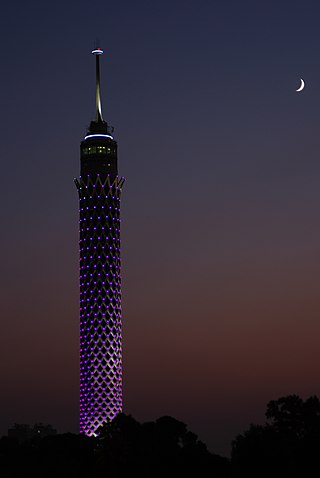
<point x="100" y="300"/>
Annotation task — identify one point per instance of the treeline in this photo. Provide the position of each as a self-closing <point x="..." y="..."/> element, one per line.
<point x="287" y="445"/>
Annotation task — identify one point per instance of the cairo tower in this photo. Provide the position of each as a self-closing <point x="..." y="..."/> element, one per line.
<point x="99" y="188"/>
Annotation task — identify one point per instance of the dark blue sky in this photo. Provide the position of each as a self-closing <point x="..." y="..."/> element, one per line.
<point x="220" y="211"/>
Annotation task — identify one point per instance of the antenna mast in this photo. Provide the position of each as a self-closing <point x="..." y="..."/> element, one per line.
<point x="97" y="52"/>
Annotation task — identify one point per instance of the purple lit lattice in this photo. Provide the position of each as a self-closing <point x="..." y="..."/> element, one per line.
<point x="100" y="302"/>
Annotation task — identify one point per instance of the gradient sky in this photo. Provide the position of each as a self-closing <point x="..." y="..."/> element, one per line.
<point x="220" y="210"/>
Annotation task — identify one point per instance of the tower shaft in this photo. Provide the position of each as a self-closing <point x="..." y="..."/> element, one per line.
<point x="99" y="189"/>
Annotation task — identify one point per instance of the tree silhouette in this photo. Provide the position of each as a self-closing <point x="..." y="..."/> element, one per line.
<point x="288" y="445"/>
<point x="154" y="449"/>
<point x="59" y="456"/>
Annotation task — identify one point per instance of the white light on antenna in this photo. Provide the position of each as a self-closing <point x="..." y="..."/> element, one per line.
<point x="99" y="135"/>
<point x="98" y="51"/>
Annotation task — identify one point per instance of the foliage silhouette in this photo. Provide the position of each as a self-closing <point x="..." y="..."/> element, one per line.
<point x="64" y="456"/>
<point x="288" y="445"/>
<point x="155" y="449"/>
<point x="123" y="448"/>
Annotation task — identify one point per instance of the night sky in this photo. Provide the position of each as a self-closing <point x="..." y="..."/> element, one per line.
<point x="220" y="210"/>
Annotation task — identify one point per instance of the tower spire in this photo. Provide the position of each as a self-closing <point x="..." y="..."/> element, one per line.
<point x="97" y="52"/>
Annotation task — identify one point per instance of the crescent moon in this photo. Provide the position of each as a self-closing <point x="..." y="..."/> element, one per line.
<point x="301" y="86"/>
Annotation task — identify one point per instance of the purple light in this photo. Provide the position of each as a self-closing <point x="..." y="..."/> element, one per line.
<point x="100" y="316"/>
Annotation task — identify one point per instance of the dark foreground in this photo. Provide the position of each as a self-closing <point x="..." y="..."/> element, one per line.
<point x="288" y="445"/>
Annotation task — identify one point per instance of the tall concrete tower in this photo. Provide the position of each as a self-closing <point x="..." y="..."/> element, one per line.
<point x="99" y="189"/>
